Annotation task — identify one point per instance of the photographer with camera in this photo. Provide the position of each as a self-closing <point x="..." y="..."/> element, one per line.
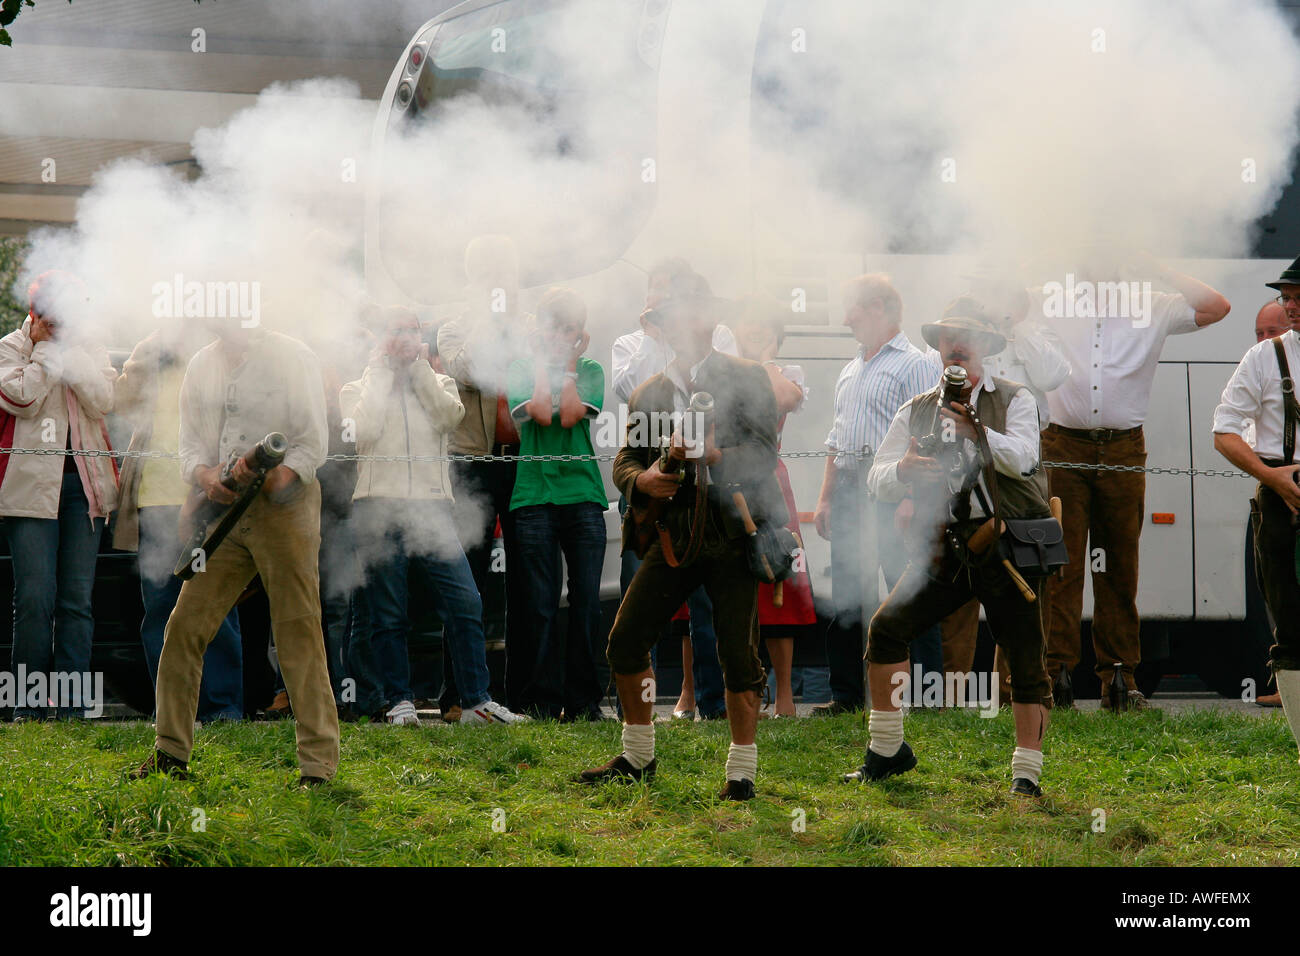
<point x="972" y="466"/>
<point x="1262" y="389"/>
<point x="250" y="383"/>
<point x="404" y="413"/>
<point x="689" y="517"/>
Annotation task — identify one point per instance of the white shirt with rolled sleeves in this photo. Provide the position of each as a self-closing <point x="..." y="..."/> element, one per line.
<point x="1113" y="363"/>
<point x="1015" y="451"/>
<point x="276" y="388"/>
<point x="638" y="357"/>
<point x="1255" y="392"/>
<point x="869" y="392"/>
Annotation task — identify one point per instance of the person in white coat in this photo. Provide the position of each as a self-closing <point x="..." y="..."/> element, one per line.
<point x="56" y="386"/>
<point x="402" y="409"/>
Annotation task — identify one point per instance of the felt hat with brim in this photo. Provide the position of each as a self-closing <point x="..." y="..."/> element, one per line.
<point x="1290" y="276"/>
<point x="965" y="315"/>
<point x="685" y="290"/>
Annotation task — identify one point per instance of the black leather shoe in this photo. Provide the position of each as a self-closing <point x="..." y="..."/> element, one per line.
<point x="308" y="783"/>
<point x="160" y="762"/>
<point x="833" y="709"/>
<point x="878" y="767"/>
<point x="1024" y="787"/>
<point x="1063" y="689"/>
<point x="737" y="790"/>
<point x="618" y="769"/>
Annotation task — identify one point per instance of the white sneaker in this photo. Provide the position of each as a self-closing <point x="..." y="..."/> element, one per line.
<point x="403" y="712"/>
<point x="490" y="712"/>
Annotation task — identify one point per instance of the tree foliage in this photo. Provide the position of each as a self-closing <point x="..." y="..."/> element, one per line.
<point x="13" y="304"/>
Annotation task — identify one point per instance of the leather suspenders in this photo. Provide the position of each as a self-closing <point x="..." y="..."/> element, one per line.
<point x="1291" y="409"/>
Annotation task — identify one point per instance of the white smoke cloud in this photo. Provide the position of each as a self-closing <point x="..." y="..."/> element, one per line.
<point x="1009" y="127"/>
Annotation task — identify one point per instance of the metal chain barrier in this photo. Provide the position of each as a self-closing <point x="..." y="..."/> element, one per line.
<point x="859" y="455"/>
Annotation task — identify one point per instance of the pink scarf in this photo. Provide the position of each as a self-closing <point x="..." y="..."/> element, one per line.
<point x="86" y="466"/>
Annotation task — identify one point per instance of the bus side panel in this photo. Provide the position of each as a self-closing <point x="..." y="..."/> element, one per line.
<point x="1222" y="508"/>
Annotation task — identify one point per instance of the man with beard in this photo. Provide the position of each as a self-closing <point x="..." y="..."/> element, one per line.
<point x="1262" y="389"/>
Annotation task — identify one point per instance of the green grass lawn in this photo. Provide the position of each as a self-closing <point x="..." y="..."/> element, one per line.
<point x="1198" y="788"/>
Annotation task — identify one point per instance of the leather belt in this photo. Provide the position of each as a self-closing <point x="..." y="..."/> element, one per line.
<point x="1098" y="435"/>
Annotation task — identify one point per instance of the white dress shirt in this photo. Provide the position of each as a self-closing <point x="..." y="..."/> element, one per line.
<point x="276" y="388"/>
<point x="1015" y="451"/>
<point x="1255" y="392"/>
<point x="1113" y="363"/>
<point x="639" y="357"/>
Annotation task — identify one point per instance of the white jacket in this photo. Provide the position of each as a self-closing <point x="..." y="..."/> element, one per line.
<point x="49" y="389"/>
<point x="416" y="419"/>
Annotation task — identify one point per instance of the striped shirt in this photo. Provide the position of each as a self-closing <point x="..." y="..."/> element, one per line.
<point x="870" y="392"/>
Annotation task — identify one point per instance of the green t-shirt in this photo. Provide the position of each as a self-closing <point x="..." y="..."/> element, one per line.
<point x="556" y="482"/>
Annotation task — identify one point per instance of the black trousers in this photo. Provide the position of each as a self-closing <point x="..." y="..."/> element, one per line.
<point x="1275" y="569"/>
<point x="658" y="590"/>
<point x="928" y="592"/>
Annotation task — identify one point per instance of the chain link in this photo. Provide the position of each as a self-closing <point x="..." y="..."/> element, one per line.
<point x="859" y="455"/>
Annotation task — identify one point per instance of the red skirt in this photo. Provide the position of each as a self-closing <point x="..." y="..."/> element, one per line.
<point x="796" y="607"/>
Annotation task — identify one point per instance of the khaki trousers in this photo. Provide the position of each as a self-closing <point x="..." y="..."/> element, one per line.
<point x="280" y="542"/>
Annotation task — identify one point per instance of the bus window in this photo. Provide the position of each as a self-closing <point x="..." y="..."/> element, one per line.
<point x="527" y="117"/>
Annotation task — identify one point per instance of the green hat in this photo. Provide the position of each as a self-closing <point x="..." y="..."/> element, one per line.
<point x="1290" y="276"/>
<point x="966" y="314"/>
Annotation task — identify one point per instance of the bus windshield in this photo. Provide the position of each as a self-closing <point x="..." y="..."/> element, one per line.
<point x="525" y="117"/>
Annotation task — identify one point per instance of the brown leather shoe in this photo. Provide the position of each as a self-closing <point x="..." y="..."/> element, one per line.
<point x="1133" y="700"/>
<point x="1269" y="700"/>
<point x="161" y="762"/>
<point x="618" y="769"/>
<point x="451" y="715"/>
<point x="280" y="708"/>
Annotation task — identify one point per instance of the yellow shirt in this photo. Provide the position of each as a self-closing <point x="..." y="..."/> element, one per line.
<point x="160" y="479"/>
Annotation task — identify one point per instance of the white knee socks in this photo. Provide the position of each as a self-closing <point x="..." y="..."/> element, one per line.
<point x="742" y="762"/>
<point x="885" y="728"/>
<point x="1288" y="687"/>
<point x="1027" y="763"/>
<point x="639" y="744"/>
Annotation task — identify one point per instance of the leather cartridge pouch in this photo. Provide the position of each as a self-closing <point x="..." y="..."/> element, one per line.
<point x="771" y="551"/>
<point x="1035" y="545"/>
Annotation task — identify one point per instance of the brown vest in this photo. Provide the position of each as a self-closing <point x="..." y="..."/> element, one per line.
<point x="1020" y="497"/>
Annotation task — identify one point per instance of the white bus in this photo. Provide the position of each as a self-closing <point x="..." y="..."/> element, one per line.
<point x="1192" y="594"/>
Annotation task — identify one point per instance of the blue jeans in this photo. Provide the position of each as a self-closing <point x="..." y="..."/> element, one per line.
<point x="393" y="534"/>
<point x="560" y="671"/>
<point x="709" y="690"/>
<point x="54" y="578"/>
<point x="221" y="691"/>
